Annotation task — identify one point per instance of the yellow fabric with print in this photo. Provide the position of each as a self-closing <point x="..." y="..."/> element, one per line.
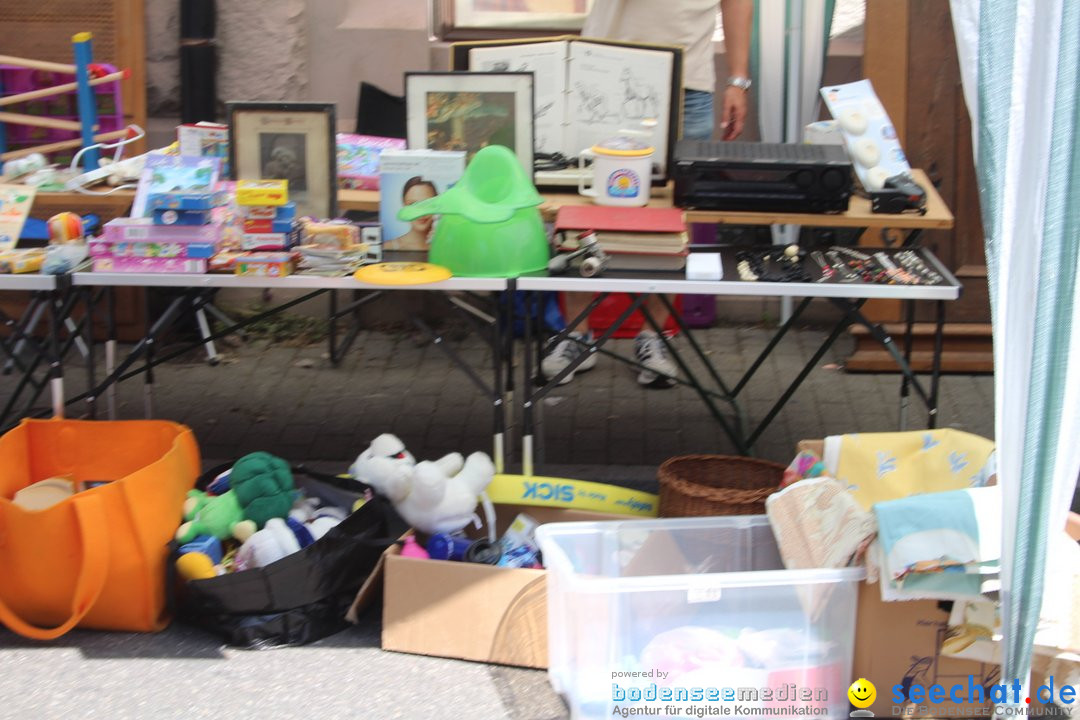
<point x="887" y="466"/>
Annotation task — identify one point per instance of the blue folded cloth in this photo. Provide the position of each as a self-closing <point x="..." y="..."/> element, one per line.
<point x="939" y="545"/>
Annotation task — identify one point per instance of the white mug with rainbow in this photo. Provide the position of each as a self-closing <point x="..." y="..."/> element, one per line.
<point x="621" y="172"/>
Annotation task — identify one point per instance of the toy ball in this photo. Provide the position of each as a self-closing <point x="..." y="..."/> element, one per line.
<point x="65" y="227"/>
<point x="195" y="566"/>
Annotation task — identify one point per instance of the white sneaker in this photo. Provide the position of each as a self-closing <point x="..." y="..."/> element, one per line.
<point x="565" y="353"/>
<point x="652" y="353"/>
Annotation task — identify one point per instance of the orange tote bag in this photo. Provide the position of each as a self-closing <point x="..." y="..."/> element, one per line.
<point x="98" y="558"/>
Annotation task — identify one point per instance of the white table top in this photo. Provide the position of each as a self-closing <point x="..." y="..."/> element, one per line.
<point x="28" y="281"/>
<point x="674" y="283"/>
<point x="291" y="282"/>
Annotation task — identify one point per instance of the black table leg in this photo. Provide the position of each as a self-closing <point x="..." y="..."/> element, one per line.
<point x="905" y="386"/>
<point x="935" y="372"/>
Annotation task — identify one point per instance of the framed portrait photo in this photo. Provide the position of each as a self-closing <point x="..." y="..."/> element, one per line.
<point x="471" y="110"/>
<point x="287" y="141"/>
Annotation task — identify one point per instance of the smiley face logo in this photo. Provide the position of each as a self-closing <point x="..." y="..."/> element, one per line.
<point x="862" y="693"/>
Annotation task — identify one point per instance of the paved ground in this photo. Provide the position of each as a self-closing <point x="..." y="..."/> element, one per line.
<point x="290" y="401"/>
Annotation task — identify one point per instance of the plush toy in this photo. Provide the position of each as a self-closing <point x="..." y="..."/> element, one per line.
<point x="196" y="566"/>
<point x="281" y="538"/>
<point x="261" y="488"/>
<point x="432" y="496"/>
<point x="386" y="466"/>
<point x="444" y="493"/>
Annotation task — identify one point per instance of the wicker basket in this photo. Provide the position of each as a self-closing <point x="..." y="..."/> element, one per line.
<point x="692" y="485"/>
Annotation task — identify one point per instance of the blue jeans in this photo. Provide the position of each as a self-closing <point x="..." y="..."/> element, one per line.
<point x="698" y="120"/>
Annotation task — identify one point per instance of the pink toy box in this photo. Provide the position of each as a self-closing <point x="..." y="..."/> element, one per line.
<point x="144" y="230"/>
<point x="358" y="160"/>
<point x="149" y="265"/>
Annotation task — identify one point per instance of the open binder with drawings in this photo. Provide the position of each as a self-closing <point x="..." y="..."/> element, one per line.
<point x="587" y="90"/>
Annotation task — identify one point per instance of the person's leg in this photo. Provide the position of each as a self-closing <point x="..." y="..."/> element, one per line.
<point x="650" y="349"/>
<point x="566" y="351"/>
<point x="575" y="303"/>
<point x="698" y="117"/>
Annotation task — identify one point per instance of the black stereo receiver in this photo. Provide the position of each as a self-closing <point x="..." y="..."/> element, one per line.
<point x="762" y="177"/>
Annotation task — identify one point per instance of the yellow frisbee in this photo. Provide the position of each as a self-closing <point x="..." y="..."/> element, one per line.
<point x="402" y="273"/>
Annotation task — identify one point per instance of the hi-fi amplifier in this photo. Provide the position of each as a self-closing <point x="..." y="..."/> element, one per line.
<point x="762" y="177"/>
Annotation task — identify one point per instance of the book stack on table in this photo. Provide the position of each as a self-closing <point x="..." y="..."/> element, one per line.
<point x="646" y="239"/>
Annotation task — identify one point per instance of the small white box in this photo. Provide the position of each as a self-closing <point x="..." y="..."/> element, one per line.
<point x="704" y="266"/>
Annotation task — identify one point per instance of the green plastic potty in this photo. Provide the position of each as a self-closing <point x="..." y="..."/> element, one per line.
<point x="490" y="223"/>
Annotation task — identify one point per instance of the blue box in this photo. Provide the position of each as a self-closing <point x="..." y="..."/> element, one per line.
<point x="181" y="217"/>
<point x="184" y="201"/>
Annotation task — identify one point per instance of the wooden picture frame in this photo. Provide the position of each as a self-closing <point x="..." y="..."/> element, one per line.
<point x="468" y="110"/>
<point x="287" y="141"/>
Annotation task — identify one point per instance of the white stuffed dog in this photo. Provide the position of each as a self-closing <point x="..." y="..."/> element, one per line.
<point x="432" y="496"/>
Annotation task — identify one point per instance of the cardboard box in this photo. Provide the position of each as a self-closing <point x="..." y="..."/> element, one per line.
<point x="464" y="610"/>
<point x="899" y="643"/>
<point x="262" y="192"/>
<point x="109" y="263"/>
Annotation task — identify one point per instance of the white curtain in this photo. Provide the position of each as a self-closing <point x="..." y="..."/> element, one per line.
<point x="1019" y="61"/>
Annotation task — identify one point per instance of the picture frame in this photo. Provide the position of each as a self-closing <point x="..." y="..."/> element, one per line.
<point x="293" y="141"/>
<point x="460" y="110"/>
<point x="621" y="60"/>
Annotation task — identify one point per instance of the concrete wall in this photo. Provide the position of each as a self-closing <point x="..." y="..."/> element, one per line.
<point x="293" y="50"/>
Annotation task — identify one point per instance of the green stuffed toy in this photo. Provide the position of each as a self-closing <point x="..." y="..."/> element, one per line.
<point x="260" y="488"/>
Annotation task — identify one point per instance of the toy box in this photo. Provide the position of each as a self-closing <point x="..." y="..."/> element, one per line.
<point x="137" y="229"/>
<point x="358" y="159"/>
<point x="149" y="265"/>
<point x="268" y="212"/>
<point x="407" y="177"/>
<point x="262" y="192"/>
<point x="205" y="139"/>
<point x="181" y="217"/>
<point x="185" y="202"/>
<point x="177" y="183"/>
<point x="267" y="226"/>
<point x="269" y="264"/>
<point x="196" y="251"/>
<point x="21" y="261"/>
<point x="264" y="241"/>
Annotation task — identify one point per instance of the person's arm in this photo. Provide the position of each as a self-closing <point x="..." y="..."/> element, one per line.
<point x="737" y="17"/>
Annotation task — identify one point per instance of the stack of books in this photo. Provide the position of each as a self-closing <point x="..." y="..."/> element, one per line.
<point x="644" y="239"/>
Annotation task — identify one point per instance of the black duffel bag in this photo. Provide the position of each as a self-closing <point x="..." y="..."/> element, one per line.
<point x="302" y="597"/>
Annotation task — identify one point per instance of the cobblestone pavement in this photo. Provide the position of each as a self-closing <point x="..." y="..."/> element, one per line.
<point x="293" y="401"/>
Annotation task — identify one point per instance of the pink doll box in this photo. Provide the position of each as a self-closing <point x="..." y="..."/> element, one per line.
<point x="110" y="263"/>
<point x="144" y="230"/>
<point x="358" y="159"/>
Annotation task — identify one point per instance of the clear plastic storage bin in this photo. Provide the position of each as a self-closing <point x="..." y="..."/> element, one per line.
<point x="678" y="617"/>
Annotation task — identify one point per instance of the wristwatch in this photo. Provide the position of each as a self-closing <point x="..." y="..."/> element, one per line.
<point x="743" y="83"/>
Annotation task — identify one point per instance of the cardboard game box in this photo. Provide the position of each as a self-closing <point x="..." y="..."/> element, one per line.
<point x="409" y="176"/>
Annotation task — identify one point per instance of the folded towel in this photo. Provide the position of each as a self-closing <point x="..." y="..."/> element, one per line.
<point x="818" y="524"/>
<point x="876" y="467"/>
<point x="939" y="545"/>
